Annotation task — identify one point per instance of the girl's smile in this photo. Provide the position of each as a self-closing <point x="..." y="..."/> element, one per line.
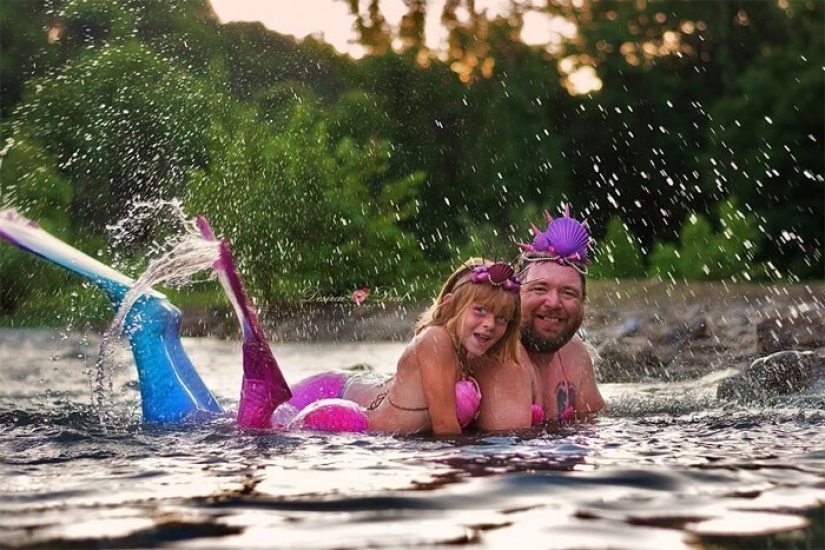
<point x="480" y="329"/>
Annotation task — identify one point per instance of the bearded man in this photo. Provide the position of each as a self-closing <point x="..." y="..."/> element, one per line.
<point x="554" y="380"/>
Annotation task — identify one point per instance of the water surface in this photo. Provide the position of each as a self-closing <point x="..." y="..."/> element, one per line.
<point x="667" y="467"/>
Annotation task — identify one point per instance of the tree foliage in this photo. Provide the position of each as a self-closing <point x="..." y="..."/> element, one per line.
<point x="121" y="123"/>
<point x="704" y="253"/>
<point x="619" y="254"/>
<point x="332" y="173"/>
<point x="307" y="214"/>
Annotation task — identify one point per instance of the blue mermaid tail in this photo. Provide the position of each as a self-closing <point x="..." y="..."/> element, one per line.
<point x="170" y="387"/>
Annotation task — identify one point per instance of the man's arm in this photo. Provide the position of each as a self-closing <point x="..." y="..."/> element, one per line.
<point x="579" y="365"/>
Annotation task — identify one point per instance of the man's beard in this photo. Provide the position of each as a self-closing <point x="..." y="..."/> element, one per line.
<point x="535" y="343"/>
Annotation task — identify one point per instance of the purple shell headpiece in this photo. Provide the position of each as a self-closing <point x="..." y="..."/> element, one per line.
<point x="565" y="241"/>
<point x="498" y="274"/>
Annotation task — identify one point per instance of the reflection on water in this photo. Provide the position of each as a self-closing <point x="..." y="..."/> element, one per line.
<point x="667" y="467"/>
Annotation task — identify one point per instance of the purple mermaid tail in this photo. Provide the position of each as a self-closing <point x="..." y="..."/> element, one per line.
<point x="263" y="387"/>
<point x="317" y="404"/>
<point x="324" y="385"/>
<point x="332" y="414"/>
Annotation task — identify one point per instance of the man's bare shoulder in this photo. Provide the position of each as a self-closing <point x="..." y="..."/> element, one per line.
<point x="488" y="370"/>
<point x="485" y="369"/>
<point x="577" y="356"/>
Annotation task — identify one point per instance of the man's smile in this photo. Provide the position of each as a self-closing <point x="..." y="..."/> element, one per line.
<point x="550" y="319"/>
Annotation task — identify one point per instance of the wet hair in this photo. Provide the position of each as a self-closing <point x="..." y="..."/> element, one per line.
<point x="446" y="313"/>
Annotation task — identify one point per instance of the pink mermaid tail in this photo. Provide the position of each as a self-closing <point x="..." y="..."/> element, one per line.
<point x="324" y="385"/>
<point x="331" y="415"/>
<point x="317" y="405"/>
<point x="263" y="387"/>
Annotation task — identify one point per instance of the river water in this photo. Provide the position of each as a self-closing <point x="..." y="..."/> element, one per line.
<point x="667" y="467"/>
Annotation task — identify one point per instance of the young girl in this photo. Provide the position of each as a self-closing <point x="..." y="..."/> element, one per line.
<point x="475" y="315"/>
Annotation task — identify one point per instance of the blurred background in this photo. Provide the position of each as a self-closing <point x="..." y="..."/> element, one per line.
<point x="689" y="134"/>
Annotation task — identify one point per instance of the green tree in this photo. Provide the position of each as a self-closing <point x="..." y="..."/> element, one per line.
<point x="122" y="123"/>
<point x="257" y="59"/>
<point x="708" y="254"/>
<point x="31" y="183"/>
<point x="24" y="48"/>
<point x="183" y="30"/>
<point x="425" y="114"/>
<point x="766" y="143"/>
<point x="372" y="247"/>
<point x="670" y="72"/>
<point x="618" y="255"/>
<point x="514" y="151"/>
<point x="304" y="212"/>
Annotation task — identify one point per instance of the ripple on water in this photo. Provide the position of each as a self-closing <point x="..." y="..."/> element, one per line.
<point x="667" y="467"/>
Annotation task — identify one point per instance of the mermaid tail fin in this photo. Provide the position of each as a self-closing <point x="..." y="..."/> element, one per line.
<point x="170" y="387"/>
<point x="27" y="235"/>
<point x="264" y="386"/>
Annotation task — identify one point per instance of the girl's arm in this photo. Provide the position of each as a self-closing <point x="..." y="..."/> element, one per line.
<point x="438" y="361"/>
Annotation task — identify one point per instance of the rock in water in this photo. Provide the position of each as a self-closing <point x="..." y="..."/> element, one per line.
<point x="777" y="374"/>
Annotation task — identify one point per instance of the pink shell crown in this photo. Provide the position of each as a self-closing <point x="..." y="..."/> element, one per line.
<point x="498" y="274"/>
<point x="565" y="241"/>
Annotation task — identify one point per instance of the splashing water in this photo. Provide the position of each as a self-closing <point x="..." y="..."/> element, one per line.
<point x="181" y="256"/>
<point x="163" y="219"/>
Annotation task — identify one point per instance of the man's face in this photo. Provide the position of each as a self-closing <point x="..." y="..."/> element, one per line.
<point x="552" y="306"/>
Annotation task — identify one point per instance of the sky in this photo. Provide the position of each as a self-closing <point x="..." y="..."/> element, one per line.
<point x="328" y="19"/>
<point x="331" y="20"/>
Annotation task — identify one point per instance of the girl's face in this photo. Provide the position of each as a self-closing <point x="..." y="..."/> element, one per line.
<point x="480" y="328"/>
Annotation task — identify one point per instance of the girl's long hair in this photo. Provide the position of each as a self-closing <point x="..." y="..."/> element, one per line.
<point x="466" y="293"/>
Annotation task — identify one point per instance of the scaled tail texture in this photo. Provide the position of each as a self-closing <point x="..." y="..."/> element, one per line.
<point x="170" y="387"/>
<point x="264" y="386"/>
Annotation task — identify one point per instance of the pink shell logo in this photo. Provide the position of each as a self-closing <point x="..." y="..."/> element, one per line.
<point x="360" y="295"/>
